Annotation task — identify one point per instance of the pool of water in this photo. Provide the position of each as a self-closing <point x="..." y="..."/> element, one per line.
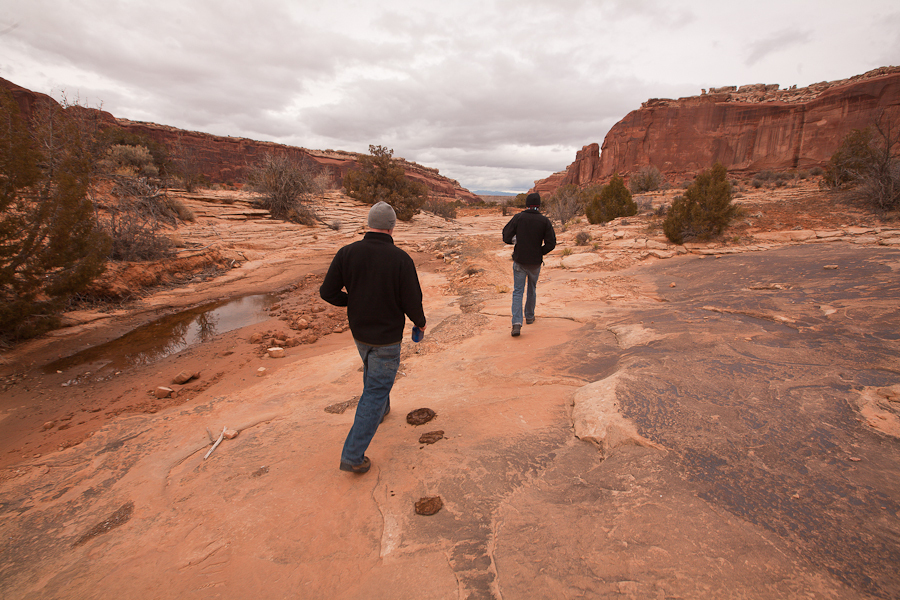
<point x="168" y="335"/>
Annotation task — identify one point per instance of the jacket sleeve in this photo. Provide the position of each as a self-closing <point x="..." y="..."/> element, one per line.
<point x="332" y="288"/>
<point x="411" y="294"/>
<point x="509" y="231"/>
<point x="549" y="239"/>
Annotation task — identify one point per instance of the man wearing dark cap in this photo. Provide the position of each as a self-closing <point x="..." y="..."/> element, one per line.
<point x="533" y="236"/>
<point x="382" y="289"/>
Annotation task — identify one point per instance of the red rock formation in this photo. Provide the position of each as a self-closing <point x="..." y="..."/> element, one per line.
<point x="749" y="129"/>
<point x="226" y="159"/>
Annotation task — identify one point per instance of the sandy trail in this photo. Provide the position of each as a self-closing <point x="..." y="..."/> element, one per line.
<point x="640" y="440"/>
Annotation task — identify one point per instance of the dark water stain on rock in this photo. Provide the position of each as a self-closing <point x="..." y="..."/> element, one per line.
<point x="431" y="437"/>
<point x="117" y="519"/>
<point x="429" y="505"/>
<point x="420" y="416"/>
<point x="340" y="407"/>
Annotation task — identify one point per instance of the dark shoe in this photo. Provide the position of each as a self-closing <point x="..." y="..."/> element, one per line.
<point x="361" y="468"/>
<point x="517" y="329"/>
<point x="529" y="321"/>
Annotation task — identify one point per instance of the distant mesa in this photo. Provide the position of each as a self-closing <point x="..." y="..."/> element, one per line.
<point x="225" y="159"/>
<point x="748" y="129"/>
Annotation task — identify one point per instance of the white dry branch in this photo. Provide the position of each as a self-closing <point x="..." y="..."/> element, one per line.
<point x="218" y="441"/>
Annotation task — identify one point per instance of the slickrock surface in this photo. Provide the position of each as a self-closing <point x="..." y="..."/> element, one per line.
<point x="699" y="421"/>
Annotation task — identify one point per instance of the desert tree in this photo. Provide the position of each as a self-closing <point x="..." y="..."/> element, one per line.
<point x="608" y="202"/>
<point x="705" y="209"/>
<point x="185" y="164"/>
<point x="565" y="204"/>
<point x="646" y="179"/>
<point x="284" y="186"/>
<point x="51" y="245"/>
<point x="380" y="178"/>
<point x="868" y="161"/>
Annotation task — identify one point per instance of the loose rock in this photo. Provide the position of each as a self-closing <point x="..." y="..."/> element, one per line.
<point x="163" y="392"/>
<point x="276" y="352"/>
<point x="184" y="377"/>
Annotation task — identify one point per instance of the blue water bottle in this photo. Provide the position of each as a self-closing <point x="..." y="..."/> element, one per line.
<point x="417" y="334"/>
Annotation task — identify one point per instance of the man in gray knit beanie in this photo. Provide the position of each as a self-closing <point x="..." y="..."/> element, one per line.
<point x="382" y="217"/>
<point x="382" y="290"/>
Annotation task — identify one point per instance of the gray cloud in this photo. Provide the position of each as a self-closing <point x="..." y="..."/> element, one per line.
<point x="493" y="93"/>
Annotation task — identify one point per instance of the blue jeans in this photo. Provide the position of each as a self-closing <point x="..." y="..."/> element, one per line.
<point x="521" y="275"/>
<point x="380" y="364"/>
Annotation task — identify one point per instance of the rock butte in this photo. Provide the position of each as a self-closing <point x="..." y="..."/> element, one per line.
<point x="747" y="129"/>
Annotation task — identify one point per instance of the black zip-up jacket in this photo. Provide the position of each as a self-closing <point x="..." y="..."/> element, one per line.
<point x="534" y="237"/>
<point x="382" y="286"/>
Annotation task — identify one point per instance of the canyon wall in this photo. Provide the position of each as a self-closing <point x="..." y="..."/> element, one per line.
<point x="748" y="129"/>
<point x="226" y="159"/>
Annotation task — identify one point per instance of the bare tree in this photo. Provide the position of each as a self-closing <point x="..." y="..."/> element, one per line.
<point x="285" y="184"/>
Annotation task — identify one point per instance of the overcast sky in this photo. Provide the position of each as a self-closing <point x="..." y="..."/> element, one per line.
<point x="493" y="93"/>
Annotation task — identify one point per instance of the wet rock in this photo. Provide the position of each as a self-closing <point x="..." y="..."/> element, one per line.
<point x="339" y="407"/>
<point x="429" y="505"/>
<point x="431" y="437"/>
<point x="116" y="519"/>
<point x="184" y="377"/>
<point x="420" y="416"/>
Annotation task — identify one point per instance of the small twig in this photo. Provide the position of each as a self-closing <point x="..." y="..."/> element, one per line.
<point x="212" y="440"/>
<point x="218" y="441"/>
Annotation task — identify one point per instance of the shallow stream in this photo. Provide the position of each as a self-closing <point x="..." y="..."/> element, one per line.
<point x="168" y="335"/>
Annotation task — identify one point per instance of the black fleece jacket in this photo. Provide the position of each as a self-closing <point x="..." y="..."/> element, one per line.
<point x="534" y="237"/>
<point x="382" y="286"/>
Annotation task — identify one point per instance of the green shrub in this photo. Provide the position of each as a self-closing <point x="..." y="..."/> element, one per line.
<point x="380" y="179"/>
<point x="647" y="179"/>
<point x="704" y="211"/>
<point x="612" y="201"/>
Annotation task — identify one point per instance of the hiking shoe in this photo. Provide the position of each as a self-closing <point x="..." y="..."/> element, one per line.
<point x="361" y="468"/>
<point x="529" y="321"/>
<point x="517" y="329"/>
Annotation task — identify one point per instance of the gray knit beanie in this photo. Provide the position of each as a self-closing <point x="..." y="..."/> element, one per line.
<point x="382" y="216"/>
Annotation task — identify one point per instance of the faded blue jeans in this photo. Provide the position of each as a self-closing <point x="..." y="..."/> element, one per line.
<point x="523" y="274"/>
<point x="380" y="365"/>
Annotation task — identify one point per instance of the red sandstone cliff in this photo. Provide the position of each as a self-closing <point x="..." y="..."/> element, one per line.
<point x="748" y="129"/>
<point x="226" y="159"/>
